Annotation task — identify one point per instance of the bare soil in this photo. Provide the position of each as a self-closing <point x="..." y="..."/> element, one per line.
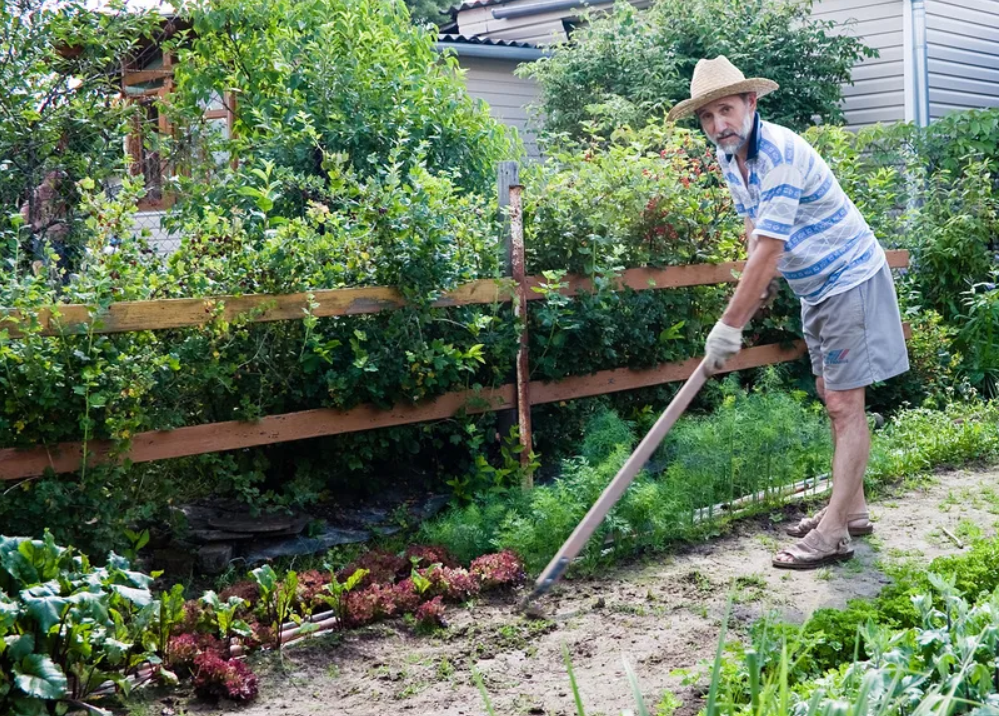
<point x="662" y="614"/>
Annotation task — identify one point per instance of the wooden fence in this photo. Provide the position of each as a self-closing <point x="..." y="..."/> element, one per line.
<point x="521" y="395"/>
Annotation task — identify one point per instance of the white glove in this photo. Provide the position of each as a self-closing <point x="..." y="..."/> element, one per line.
<point x="723" y="342"/>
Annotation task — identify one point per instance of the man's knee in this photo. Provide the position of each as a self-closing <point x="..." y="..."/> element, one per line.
<point x="820" y="387"/>
<point x="844" y="405"/>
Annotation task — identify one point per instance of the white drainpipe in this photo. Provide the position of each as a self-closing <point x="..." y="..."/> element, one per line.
<point x="920" y="74"/>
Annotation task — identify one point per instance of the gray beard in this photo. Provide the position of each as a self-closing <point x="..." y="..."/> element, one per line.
<point x="729" y="146"/>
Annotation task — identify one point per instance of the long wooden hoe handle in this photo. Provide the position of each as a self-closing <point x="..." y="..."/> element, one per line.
<point x="612" y="493"/>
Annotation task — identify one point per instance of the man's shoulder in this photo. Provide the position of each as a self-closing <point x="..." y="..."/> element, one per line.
<point x="784" y="146"/>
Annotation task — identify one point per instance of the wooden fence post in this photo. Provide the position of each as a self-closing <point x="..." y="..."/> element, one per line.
<point x="507" y="175"/>
<point x="520" y="311"/>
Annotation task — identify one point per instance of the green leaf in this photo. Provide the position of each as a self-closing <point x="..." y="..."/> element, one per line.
<point x="47" y="611"/>
<point x="37" y="675"/>
<point x="19" y="647"/>
<point x="30" y="707"/>
<point x="138" y="597"/>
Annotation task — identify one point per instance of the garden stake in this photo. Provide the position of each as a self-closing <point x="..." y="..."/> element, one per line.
<point x="612" y="493"/>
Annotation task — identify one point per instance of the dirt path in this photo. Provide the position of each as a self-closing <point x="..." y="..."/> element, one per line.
<point x="662" y="615"/>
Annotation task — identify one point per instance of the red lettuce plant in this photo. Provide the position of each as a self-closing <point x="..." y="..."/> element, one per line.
<point x="228" y="678"/>
<point x="503" y="569"/>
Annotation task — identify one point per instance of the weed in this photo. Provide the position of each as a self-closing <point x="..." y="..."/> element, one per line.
<point x="332" y="672"/>
<point x="767" y="542"/>
<point x="445" y="669"/>
<point x="668" y="704"/>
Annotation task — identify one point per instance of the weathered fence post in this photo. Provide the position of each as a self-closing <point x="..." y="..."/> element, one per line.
<point x="507" y="175"/>
<point x="520" y="311"/>
<point x="511" y="208"/>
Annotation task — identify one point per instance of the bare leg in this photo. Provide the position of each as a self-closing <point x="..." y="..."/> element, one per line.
<point x="851" y="449"/>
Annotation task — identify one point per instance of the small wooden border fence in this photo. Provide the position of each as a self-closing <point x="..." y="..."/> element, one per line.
<point x="124" y="317"/>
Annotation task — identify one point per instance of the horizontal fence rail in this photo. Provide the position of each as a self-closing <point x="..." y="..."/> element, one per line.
<point x="130" y="316"/>
<point x="192" y="440"/>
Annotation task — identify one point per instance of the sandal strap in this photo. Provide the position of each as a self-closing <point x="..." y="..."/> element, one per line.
<point x="810" y="523"/>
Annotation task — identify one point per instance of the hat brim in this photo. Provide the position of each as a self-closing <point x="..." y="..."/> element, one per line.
<point x="688" y="106"/>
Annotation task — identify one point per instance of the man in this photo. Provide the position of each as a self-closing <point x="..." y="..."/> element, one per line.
<point x="799" y="221"/>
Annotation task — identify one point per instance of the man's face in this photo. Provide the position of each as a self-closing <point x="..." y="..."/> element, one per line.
<point x="728" y="121"/>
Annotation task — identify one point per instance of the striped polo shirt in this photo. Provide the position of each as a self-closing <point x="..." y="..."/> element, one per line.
<point x="793" y="196"/>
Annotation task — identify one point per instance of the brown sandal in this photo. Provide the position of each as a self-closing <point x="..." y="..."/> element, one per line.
<point x="858" y="524"/>
<point x="814" y="551"/>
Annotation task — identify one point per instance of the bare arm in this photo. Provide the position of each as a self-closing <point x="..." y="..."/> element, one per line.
<point x="759" y="270"/>
<point x="750" y="239"/>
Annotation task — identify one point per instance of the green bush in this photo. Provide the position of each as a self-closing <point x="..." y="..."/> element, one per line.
<point x="632" y="66"/>
<point x="933" y="191"/>
<point x="319" y="82"/>
<point x="60" y="118"/>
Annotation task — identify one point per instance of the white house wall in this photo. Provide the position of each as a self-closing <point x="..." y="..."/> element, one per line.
<point x="962" y="38"/>
<point x="878" y="90"/>
<point x="507" y="95"/>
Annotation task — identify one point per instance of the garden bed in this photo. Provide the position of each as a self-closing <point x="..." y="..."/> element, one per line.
<point x="662" y="614"/>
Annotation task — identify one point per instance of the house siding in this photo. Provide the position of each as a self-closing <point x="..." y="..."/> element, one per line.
<point x="878" y="90"/>
<point x="506" y="94"/>
<point x="962" y="38"/>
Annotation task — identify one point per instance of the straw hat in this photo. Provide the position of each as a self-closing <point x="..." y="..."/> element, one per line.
<point x="714" y="79"/>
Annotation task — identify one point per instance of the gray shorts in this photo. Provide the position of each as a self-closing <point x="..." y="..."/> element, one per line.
<point x="855" y="338"/>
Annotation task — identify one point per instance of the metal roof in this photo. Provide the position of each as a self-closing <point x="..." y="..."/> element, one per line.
<point x="465" y="40"/>
<point x="472" y="4"/>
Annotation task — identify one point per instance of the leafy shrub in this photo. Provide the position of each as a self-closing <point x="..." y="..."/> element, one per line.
<point x="933" y="191"/>
<point x="60" y="118"/>
<point x="228" y="678"/>
<point x="632" y="66"/>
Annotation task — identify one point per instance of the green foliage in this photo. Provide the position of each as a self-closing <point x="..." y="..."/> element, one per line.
<point x="59" y="118"/>
<point x="605" y="431"/>
<point x="335" y="592"/>
<point x="317" y="81"/>
<point x="629" y="198"/>
<point x="65" y="626"/>
<point x="432" y="11"/>
<point x="632" y="66"/>
<point x="707" y="460"/>
<point x="223" y="616"/>
<point x="915" y="441"/>
<point x="933" y="191"/>
<point x="932" y="380"/>
<point x="370" y="179"/>
<point x="920" y="600"/>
